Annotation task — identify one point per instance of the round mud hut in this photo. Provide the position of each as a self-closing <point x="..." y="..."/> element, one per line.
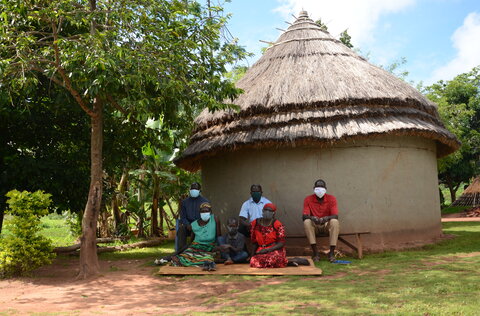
<point x="312" y="108"/>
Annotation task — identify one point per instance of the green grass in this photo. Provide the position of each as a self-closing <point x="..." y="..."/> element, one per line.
<point x="454" y="209"/>
<point x="140" y="253"/>
<point x="55" y="227"/>
<point x="435" y="280"/>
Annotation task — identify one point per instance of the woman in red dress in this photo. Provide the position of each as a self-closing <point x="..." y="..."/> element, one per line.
<point x="268" y="239"/>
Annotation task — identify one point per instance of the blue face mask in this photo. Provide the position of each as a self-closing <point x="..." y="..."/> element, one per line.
<point x="205" y="216"/>
<point x="194" y="193"/>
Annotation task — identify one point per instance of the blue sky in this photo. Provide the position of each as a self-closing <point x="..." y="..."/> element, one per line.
<point x="438" y="38"/>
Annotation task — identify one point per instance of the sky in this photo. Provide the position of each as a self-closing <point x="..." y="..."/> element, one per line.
<point x="438" y="38"/>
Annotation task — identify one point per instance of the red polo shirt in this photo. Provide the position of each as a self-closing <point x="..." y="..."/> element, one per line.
<point x="326" y="207"/>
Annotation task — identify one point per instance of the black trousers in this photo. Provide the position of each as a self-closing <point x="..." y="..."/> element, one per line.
<point x="182" y="234"/>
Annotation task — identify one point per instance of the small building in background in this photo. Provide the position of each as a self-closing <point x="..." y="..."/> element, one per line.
<point x="471" y="195"/>
<point x="314" y="109"/>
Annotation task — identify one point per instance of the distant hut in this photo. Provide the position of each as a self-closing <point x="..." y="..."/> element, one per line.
<point x="312" y="108"/>
<point x="471" y="195"/>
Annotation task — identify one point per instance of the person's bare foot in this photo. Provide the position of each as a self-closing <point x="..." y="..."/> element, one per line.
<point x="228" y="261"/>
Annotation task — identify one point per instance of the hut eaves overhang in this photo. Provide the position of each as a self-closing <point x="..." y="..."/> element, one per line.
<point x="309" y="89"/>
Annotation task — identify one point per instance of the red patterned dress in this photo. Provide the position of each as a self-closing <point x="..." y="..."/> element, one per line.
<point x="266" y="237"/>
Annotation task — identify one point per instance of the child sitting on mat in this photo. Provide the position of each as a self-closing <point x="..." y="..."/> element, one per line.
<point x="232" y="244"/>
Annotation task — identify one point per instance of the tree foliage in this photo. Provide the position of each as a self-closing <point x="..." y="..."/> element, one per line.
<point x="459" y="107"/>
<point x="346" y="39"/>
<point x="322" y="25"/>
<point x="130" y="60"/>
<point x="24" y="249"/>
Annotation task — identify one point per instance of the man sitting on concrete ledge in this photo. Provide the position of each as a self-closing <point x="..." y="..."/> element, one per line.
<point x="320" y="214"/>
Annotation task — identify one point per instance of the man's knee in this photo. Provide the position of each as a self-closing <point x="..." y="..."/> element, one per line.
<point x="334" y="222"/>
<point x="308" y="223"/>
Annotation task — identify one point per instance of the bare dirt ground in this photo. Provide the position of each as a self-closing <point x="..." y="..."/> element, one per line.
<point x="459" y="217"/>
<point x="125" y="287"/>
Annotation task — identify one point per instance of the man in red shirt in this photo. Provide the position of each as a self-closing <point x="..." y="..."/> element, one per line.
<point x="320" y="214"/>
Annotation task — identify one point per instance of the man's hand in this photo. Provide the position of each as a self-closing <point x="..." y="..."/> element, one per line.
<point x="322" y="220"/>
<point x="315" y="219"/>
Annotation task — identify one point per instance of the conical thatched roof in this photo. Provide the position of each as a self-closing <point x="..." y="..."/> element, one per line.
<point x="471" y="195"/>
<point x="310" y="89"/>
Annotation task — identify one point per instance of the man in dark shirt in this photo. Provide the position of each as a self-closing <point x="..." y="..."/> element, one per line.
<point x="232" y="244"/>
<point x="320" y="214"/>
<point x="189" y="212"/>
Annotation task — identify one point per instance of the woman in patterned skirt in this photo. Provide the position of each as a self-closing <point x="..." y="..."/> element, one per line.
<point x="200" y="252"/>
<point x="268" y="239"/>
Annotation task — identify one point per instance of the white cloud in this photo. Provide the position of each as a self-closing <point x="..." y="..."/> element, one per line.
<point x="466" y="41"/>
<point x="359" y="17"/>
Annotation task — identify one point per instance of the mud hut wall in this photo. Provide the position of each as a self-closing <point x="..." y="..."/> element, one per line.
<point x="386" y="185"/>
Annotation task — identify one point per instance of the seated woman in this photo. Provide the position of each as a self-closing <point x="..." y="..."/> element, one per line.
<point x="200" y="251"/>
<point x="268" y="239"/>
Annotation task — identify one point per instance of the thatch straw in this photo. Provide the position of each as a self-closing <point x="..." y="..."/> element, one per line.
<point x="471" y="195"/>
<point x="309" y="87"/>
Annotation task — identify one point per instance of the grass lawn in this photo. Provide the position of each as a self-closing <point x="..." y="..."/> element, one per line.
<point x="443" y="279"/>
<point x="454" y="209"/>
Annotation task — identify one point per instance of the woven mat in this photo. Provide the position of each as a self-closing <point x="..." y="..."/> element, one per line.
<point x="241" y="269"/>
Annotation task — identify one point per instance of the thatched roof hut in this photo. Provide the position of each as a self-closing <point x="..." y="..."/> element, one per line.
<point x="471" y="195"/>
<point x="310" y="88"/>
<point x="313" y="108"/>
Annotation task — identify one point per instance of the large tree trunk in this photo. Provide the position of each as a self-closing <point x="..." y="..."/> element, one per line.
<point x="88" y="251"/>
<point x="453" y="191"/>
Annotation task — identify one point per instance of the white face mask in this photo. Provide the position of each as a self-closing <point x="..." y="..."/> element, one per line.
<point x="205" y="216"/>
<point x="320" y="192"/>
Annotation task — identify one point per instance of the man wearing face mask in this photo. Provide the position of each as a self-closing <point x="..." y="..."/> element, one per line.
<point x="320" y="214"/>
<point x="232" y="244"/>
<point x="252" y="209"/>
<point x="189" y="212"/>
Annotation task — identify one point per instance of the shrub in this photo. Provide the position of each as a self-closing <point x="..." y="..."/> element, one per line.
<point x="74" y="223"/>
<point x="24" y="249"/>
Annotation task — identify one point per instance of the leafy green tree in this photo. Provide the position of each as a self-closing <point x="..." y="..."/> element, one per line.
<point x="153" y="58"/>
<point x="236" y="73"/>
<point x="459" y="107"/>
<point x="322" y="25"/>
<point x="346" y="39"/>
<point x="44" y="145"/>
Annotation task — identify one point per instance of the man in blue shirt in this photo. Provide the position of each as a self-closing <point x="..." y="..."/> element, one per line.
<point x="189" y="212"/>
<point x="252" y="209"/>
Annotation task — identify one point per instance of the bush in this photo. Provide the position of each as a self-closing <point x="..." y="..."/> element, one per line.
<point x="24" y="249"/>
<point x="74" y="222"/>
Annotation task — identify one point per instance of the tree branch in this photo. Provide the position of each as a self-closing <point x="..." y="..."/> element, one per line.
<point x="66" y="79"/>
<point x="114" y="103"/>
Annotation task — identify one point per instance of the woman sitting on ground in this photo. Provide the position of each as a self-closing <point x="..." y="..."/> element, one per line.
<point x="201" y="251"/>
<point x="268" y="239"/>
